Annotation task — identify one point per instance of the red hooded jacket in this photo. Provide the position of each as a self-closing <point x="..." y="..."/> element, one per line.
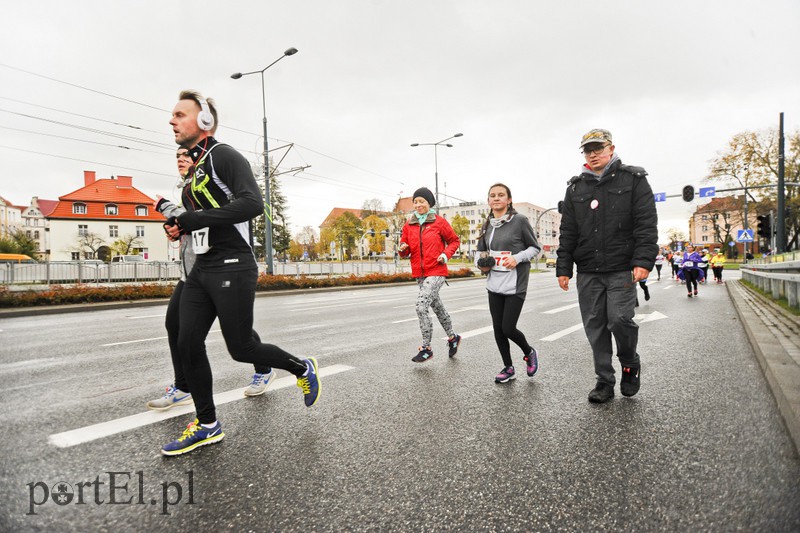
<point x="426" y="243"/>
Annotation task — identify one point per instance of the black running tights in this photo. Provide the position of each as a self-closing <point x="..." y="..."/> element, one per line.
<point x="691" y="276"/>
<point x="172" y="324"/>
<point x="228" y="296"/>
<point x="505" y="310"/>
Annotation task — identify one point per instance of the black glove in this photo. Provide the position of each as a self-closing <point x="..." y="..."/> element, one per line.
<point x="173" y="221"/>
<point x="486" y="261"/>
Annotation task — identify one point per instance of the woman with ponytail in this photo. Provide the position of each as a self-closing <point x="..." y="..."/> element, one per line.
<point x="505" y="249"/>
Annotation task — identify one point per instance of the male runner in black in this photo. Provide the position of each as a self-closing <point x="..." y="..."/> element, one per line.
<point x="220" y="200"/>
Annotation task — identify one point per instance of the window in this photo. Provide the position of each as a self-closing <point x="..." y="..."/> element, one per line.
<point x="704" y="217"/>
<point x="113" y="231"/>
<point x="141" y="210"/>
<point x="705" y="228"/>
<point x="36" y="235"/>
<point x="705" y="238"/>
<point x="140" y="231"/>
<point x="83" y="230"/>
<point x="76" y="256"/>
<point x="78" y="209"/>
<point x="111" y="209"/>
<point x="28" y="234"/>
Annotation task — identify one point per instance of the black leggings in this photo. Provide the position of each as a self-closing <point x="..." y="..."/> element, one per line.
<point x="691" y="276"/>
<point x="228" y="296"/>
<point x="505" y="310"/>
<point x="172" y="324"/>
<point x="717" y="273"/>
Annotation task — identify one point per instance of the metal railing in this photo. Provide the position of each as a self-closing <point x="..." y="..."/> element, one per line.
<point x="778" y="275"/>
<point x="63" y="272"/>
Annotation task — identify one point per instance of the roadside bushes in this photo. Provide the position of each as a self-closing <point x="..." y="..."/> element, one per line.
<point x="58" y="295"/>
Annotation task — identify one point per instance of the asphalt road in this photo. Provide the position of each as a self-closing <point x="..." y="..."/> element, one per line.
<point x="393" y="445"/>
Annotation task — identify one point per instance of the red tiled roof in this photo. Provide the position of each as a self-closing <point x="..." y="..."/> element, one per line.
<point x="720" y="203"/>
<point x="47" y="206"/>
<point x="106" y="191"/>
<point x="404" y="205"/>
<point x="336" y="212"/>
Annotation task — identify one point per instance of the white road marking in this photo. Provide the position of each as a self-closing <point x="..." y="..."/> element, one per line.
<point x="363" y="302"/>
<point x="559" y="309"/>
<point x="144" y="340"/>
<point x="473" y="308"/>
<point x="641" y="319"/>
<point x="23" y="364"/>
<point x="112" y="427"/>
<point x="562" y="333"/>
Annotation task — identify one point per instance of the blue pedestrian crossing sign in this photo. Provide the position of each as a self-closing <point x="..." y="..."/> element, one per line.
<point x="660" y="196"/>
<point x="745" y="235"/>
<point x="707" y="192"/>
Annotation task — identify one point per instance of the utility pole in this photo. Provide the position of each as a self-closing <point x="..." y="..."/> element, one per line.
<point x="780" y="234"/>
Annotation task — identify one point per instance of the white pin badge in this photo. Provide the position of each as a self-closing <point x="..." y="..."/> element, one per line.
<point x="594" y="204"/>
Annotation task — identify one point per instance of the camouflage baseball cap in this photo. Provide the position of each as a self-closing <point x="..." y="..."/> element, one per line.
<point x="596" y="136"/>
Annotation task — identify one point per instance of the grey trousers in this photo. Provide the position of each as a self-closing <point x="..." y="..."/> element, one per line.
<point x="607" y="302"/>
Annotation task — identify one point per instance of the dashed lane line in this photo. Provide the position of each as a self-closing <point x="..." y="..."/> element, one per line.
<point x="74" y="437"/>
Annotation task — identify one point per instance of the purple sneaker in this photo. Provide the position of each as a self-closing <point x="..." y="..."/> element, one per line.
<point x="505" y="375"/>
<point x="532" y="362"/>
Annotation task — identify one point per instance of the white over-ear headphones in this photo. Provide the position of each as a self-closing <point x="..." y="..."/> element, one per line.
<point x="205" y="120"/>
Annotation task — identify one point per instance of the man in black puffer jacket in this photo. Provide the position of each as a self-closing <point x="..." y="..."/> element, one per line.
<point x="609" y="230"/>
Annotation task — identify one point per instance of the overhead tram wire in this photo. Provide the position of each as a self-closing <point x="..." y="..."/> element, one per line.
<point x="168" y="111"/>
<point x="85" y="116"/>
<point x="91" y="130"/>
<point x="84" y="88"/>
<point x="86" y="161"/>
<point x="80" y="140"/>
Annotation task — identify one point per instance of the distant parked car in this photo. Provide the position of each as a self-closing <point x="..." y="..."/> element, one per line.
<point x="127" y="259"/>
<point x="550" y="262"/>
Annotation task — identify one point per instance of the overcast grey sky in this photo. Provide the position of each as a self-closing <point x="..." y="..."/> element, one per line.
<point x="522" y="80"/>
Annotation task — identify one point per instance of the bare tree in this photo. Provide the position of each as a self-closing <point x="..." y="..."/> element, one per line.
<point x="126" y="244"/>
<point x="371" y="207"/>
<point x="88" y="241"/>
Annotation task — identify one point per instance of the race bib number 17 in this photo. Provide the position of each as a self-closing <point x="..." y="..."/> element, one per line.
<point x="200" y="243"/>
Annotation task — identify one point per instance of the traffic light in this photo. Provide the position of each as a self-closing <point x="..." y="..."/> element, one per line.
<point x="371" y="232"/>
<point x="764" y="226"/>
<point x="688" y="193"/>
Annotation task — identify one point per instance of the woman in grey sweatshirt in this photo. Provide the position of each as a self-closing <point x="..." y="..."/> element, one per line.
<point x="505" y="249"/>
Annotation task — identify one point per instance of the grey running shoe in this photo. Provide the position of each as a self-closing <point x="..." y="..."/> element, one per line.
<point x="259" y="384"/>
<point x="170" y="399"/>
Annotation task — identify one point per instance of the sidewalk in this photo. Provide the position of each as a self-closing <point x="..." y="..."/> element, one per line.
<point x="775" y="336"/>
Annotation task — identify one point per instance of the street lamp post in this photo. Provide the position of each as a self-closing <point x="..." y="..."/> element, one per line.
<point x="436" y="158"/>
<point x="267" y="205"/>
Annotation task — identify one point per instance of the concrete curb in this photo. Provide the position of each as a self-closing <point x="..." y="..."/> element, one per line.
<point x="781" y="370"/>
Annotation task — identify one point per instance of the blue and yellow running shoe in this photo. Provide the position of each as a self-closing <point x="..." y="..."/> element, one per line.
<point x="193" y="437"/>
<point x="309" y="383"/>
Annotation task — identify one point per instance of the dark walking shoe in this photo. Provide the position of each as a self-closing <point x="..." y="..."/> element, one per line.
<point x="601" y="393"/>
<point x="646" y="294"/>
<point x="695" y="292"/>
<point x="425" y="353"/>
<point x="452" y="345"/>
<point x="689" y="295"/>
<point x="630" y="381"/>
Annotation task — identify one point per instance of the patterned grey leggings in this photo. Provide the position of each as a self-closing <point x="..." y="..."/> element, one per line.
<point x="429" y="297"/>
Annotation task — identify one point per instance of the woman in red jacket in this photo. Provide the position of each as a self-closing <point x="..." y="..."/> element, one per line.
<point x="430" y="241"/>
